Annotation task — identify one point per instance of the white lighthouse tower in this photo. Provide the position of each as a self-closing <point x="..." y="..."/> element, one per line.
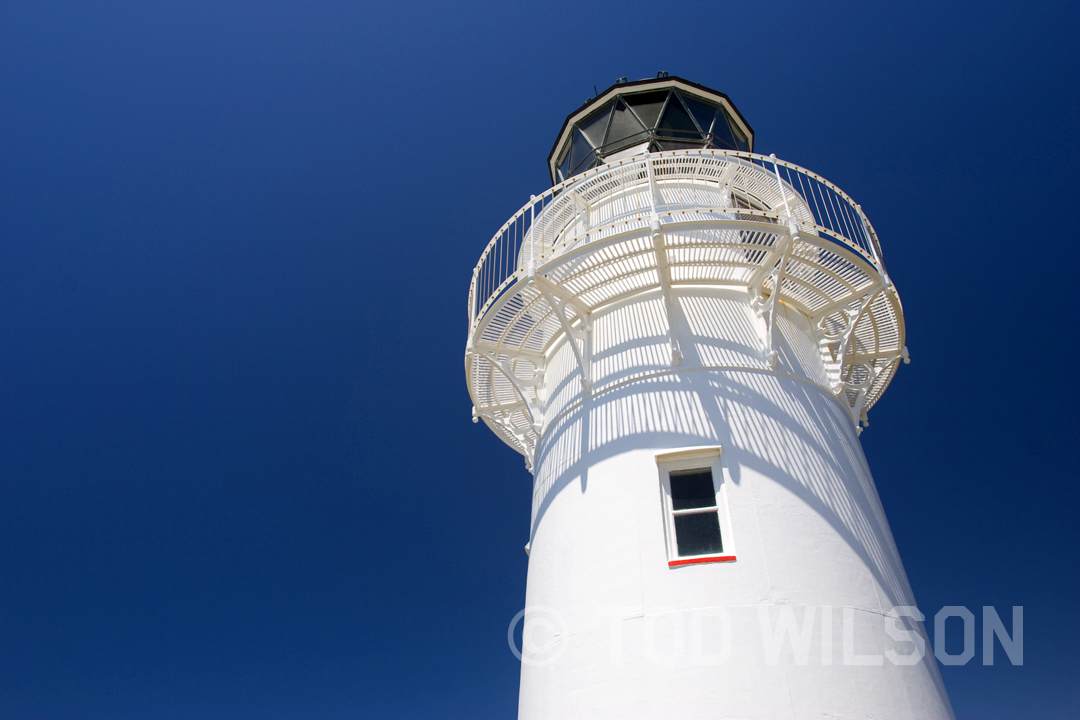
<point x="683" y="338"/>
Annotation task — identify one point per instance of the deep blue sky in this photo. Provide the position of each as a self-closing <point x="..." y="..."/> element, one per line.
<point x="238" y="478"/>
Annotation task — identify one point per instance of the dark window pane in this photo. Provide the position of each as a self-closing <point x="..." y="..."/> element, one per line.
<point x="585" y="163"/>
<point x="677" y="119"/>
<point x="692" y="490"/>
<point x="635" y="139"/>
<point x="721" y="144"/>
<point x="683" y="145"/>
<point x="647" y="106"/>
<point x="698" y="534"/>
<point x="722" y="136"/>
<point x="564" y="166"/>
<point x="702" y="112"/>
<point x="594" y="126"/>
<point x="740" y="139"/>
<point x="581" y="149"/>
<point x="623" y="125"/>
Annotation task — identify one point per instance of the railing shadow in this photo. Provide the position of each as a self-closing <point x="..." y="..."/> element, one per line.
<point x="779" y="427"/>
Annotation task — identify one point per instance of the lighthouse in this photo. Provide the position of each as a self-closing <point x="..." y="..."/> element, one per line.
<point x="684" y="339"/>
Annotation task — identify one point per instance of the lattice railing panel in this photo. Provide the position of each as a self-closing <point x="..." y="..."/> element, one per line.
<point x="724" y="219"/>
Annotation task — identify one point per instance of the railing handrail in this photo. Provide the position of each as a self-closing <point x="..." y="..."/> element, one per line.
<point x="527" y="225"/>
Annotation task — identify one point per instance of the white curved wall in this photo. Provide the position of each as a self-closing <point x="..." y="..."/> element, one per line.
<point x="636" y="639"/>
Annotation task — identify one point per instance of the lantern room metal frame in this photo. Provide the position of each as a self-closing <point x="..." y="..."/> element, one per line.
<point x="632" y="118"/>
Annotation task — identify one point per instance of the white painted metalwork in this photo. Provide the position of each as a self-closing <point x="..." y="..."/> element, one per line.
<point x="675" y="220"/>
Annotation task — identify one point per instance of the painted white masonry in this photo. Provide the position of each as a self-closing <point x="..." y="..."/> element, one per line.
<point x="805" y="516"/>
<point x="700" y="299"/>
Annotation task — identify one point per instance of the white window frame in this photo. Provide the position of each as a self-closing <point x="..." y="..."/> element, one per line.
<point x="707" y="458"/>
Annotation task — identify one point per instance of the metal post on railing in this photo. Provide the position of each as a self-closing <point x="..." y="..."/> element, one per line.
<point x="652" y="186"/>
<point x="780" y="184"/>
<point x="473" y="298"/>
<point x="532" y="231"/>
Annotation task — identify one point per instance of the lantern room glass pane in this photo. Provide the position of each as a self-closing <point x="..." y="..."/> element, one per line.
<point x="722" y="136"/>
<point x="623" y="125"/>
<point x="594" y="127"/>
<point x="740" y="139"/>
<point x="692" y="490"/>
<point x="647" y="105"/>
<point x="677" y="121"/>
<point x="584" y="164"/>
<point x="626" y="142"/>
<point x="679" y="144"/>
<point x="698" y="534"/>
<point x="564" y="167"/>
<point x="702" y="112"/>
<point x="580" y="150"/>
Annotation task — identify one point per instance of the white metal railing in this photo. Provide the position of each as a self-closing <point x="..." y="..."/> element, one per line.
<point x="682" y="182"/>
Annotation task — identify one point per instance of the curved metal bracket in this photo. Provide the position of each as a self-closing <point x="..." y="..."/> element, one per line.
<point x="663" y="271"/>
<point x="767" y="308"/>
<point x="535" y="415"/>
<point x="553" y="294"/>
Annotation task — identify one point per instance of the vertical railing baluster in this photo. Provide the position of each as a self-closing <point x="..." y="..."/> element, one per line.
<point x="815" y="190"/>
<point x="843" y="214"/>
<point x="780" y="184"/>
<point x="857" y="233"/>
<point x="872" y="242"/>
<point x="802" y="189"/>
<point x="832" y="203"/>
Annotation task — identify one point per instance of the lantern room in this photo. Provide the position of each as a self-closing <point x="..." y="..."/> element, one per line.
<point x="652" y="115"/>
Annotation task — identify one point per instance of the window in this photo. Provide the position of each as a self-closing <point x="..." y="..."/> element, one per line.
<point x="697" y="528"/>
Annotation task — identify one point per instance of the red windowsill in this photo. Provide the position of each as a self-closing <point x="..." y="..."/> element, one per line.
<point x="699" y="560"/>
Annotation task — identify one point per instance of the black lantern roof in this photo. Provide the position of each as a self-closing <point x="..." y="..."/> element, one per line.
<point x="631" y="118"/>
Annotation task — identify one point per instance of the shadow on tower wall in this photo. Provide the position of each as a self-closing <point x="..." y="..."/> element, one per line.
<point x="778" y="425"/>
